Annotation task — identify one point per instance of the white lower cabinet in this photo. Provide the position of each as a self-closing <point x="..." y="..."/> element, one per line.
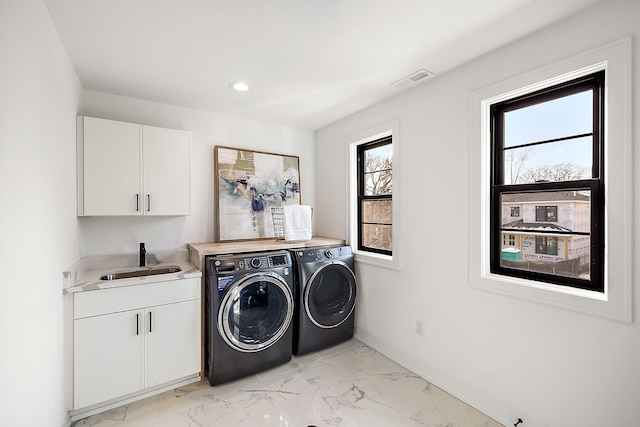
<point x="108" y="357"/>
<point x="172" y="330"/>
<point x="129" y="340"/>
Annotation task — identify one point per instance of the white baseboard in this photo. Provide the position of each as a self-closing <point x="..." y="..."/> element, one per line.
<point x="489" y="405"/>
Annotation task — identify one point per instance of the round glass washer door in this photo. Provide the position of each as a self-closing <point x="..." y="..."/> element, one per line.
<point x="255" y="312"/>
<point x="330" y="294"/>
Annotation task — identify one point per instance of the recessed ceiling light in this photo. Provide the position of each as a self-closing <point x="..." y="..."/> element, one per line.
<point x="239" y="86"/>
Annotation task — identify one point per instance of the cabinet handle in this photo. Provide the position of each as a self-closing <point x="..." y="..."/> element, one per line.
<point x="137" y="324"/>
<point x="150" y="322"/>
<point x="137" y="202"/>
<point x="148" y="203"/>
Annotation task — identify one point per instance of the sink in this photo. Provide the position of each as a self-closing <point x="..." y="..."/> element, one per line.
<point x="140" y="273"/>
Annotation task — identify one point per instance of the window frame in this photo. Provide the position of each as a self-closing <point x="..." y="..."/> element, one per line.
<point x="594" y="82"/>
<point x="616" y="303"/>
<point x="363" y="197"/>
<point x="388" y="128"/>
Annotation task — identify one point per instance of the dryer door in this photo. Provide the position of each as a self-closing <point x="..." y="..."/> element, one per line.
<point x="255" y="312"/>
<point x="330" y="294"/>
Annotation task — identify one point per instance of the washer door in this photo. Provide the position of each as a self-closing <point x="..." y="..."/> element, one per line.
<point x="330" y="294"/>
<point x="255" y="312"/>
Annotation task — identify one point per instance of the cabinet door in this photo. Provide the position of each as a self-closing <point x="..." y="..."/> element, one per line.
<point x="111" y="168"/>
<point x="166" y="171"/>
<point x="108" y="357"/>
<point x="172" y="340"/>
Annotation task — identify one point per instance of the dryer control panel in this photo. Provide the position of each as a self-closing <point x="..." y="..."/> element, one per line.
<point x="310" y="255"/>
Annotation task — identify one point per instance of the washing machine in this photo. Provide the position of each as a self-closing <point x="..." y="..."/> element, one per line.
<point x="249" y="310"/>
<point x="325" y="297"/>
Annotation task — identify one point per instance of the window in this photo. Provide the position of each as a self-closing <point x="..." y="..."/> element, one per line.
<point x="508" y="240"/>
<point x="616" y="301"/>
<point x="375" y="191"/>
<point x="547" y="245"/>
<point x="546" y="213"/>
<point x="547" y="157"/>
<point x="373" y="214"/>
<point x="515" y="211"/>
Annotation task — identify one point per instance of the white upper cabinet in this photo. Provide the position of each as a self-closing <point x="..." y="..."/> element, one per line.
<point x="131" y="169"/>
<point x="165" y="171"/>
<point x="110" y="156"/>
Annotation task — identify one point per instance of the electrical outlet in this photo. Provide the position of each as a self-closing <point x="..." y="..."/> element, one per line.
<point x="420" y="328"/>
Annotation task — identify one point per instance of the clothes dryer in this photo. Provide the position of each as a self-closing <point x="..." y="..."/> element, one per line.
<point x="326" y="297"/>
<point x="249" y="312"/>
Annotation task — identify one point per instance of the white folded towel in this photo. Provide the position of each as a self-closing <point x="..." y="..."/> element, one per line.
<point x="297" y="222"/>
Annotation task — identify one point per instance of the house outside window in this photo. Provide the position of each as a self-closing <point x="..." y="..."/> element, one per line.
<point x="570" y="243"/>
<point x="559" y="200"/>
<point x="375" y="196"/>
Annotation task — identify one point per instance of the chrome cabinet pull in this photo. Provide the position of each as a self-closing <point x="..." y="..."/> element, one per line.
<point x="137" y="202"/>
<point x="148" y="203"/>
<point x="137" y="324"/>
<point x="150" y="322"/>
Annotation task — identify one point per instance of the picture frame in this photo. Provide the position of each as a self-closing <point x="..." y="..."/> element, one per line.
<point x="248" y="184"/>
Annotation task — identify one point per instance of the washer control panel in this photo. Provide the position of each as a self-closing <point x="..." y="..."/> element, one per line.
<point x="248" y="262"/>
<point x="265" y="261"/>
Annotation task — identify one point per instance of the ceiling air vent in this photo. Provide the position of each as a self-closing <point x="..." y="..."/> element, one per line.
<point x="412" y="78"/>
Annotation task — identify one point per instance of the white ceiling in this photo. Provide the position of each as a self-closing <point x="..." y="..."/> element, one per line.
<point x="308" y="62"/>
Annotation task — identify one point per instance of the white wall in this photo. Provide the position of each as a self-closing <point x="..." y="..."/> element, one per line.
<point x="40" y="234"/>
<point x="38" y="229"/>
<point x="499" y="353"/>
<point x="507" y="356"/>
<point x="119" y="235"/>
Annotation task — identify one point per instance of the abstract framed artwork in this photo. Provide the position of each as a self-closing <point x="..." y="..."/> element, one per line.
<point x="248" y="184"/>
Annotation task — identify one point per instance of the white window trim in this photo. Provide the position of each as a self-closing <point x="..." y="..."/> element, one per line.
<point x="392" y="128"/>
<point x="616" y="301"/>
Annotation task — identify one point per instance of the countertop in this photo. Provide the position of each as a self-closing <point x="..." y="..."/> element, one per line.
<point x="85" y="274"/>
<point x="197" y="251"/>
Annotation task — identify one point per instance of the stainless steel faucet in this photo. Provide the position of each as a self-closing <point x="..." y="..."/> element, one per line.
<point x="143" y="255"/>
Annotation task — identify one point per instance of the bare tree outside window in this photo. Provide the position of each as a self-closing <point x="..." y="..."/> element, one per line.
<point x="517" y="170"/>
<point x="378" y="174"/>
<point x="515" y="161"/>
<point x="555" y="173"/>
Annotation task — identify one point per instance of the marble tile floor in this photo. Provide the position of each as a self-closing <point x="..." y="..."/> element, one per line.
<point x="347" y="385"/>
